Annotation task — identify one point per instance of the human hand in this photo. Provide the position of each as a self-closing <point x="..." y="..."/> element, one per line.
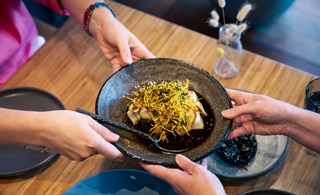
<point x="77" y="136"/>
<point x="190" y="179"/>
<point x="257" y="114"/>
<point x="116" y="42"/>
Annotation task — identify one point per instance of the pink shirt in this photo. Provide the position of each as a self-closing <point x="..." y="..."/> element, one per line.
<point x="17" y="31"/>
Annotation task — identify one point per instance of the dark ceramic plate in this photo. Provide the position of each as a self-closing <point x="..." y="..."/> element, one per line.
<point x="267" y="191"/>
<point x="111" y="103"/>
<point x="270" y="152"/>
<point x="16" y="160"/>
<point x="122" y="182"/>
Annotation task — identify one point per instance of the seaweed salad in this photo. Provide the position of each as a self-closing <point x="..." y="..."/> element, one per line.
<point x="239" y="151"/>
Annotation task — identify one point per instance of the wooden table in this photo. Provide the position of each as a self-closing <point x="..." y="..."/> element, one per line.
<point x="71" y="66"/>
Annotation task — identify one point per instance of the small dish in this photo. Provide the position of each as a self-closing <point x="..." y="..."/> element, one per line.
<point x="271" y="151"/>
<point x="111" y="103"/>
<point x="120" y="182"/>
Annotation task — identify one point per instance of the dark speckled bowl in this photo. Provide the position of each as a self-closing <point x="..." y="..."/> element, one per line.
<point x="111" y="103"/>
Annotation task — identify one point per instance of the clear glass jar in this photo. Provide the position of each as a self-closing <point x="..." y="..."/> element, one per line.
<point x="228" y="53"/>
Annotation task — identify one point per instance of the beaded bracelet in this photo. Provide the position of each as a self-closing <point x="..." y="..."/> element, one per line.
<point x="88" y="14"/>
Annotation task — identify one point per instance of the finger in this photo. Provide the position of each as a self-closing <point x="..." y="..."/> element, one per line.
<point x="237" y="132"/>
<point x="72" y="156"/>
<point x="235" y="95"/>
<point x="139" y="50"/>
<point x="245" y="128"/>
<point x="125" y="51"/>
<point x="149" y="55"/>
<point x="103" y="138"/>
<point x="104" y="132"/>
<point x="204" y="163"/>
<point x="238" y="121"/>
<point x="143" y="53"/>
<point x="160" y="171"/>
<point x="241" y="97"/>
<point x="115" y="68"/>
<point x="185" y="163"/>
<point x="238" y="111"/>
<point x="107" y="149"/>
<point x="149" y="167"/>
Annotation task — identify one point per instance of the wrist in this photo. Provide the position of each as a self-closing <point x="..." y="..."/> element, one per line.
<point x="95" y="15"/>
<point x="305" y="128"/>
<point x="299" y="122"/>
<point x="36" y="125"/>
<point x="20" y="127"/>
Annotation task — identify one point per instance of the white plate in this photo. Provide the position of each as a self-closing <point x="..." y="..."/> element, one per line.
<point x="270" y="152"/>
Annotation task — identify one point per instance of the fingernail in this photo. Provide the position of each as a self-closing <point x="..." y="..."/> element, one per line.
<point x="225" y="112"/>
<point x="128" y="59"/>
<point x="115" y="136"/>
<point x="180" y="156"/>
<point x="120" y="158"/>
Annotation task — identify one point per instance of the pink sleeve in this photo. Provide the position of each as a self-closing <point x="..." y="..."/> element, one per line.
<point x="55" y="5"/>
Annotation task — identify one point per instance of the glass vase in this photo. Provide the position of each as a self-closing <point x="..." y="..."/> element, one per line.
<point x="227" y="59"/>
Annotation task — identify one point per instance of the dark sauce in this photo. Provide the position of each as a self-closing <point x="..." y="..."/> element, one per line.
<point x="177" y="142"/>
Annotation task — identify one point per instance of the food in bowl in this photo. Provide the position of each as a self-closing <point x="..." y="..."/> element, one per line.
<point x="112" y="103"/>
<point x="238" y="151"/>
<point x="170" y="107"/>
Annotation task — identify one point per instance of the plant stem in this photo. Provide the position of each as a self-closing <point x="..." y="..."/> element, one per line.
<point x="224" y="19"/>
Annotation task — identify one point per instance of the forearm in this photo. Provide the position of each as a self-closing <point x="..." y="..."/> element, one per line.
<point x="78" y="8"/>
<point x="305" y="128"/>
<point x="20" y="127"/>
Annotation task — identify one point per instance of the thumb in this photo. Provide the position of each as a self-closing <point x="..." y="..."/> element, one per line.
<point x="185" y="163"/>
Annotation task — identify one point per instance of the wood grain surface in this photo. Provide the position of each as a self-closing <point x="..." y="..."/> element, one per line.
<point x="71" y="66"/>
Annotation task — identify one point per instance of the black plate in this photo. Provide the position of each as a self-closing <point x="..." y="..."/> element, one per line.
<point x="112" y="104"/>
<point x="16" y="160"/>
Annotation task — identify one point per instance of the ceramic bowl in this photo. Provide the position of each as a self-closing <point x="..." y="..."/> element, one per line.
<point x="120" y="182"/>
<point x="111" y="103"/>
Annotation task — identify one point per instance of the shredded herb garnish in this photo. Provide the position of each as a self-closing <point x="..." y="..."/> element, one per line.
<point x="170" y="105"/>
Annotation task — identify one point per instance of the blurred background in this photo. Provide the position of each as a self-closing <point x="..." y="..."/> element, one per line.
<point x="286" y="31"/>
